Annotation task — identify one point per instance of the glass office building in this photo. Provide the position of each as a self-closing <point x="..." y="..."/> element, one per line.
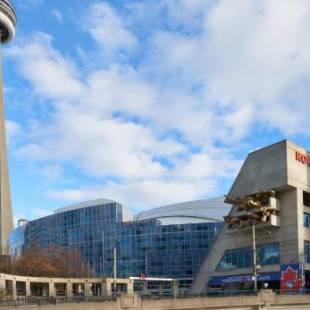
<point x="169" y="241"/>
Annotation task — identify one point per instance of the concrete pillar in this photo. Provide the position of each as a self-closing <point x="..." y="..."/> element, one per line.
<point x="69" y="289"/>
<point x="174" y="288"/>
<point x="130" y="287"/>
<point x="87" y="290"/>
<point x="51" y="289"/>
<point x="102" y="292"/>
<point x="144" y="289"/>
<point x="2" y="283"/>
<point x="14" y="291"/>
<point x="106" y="289"/>
<point x="2" y="288"/>
<point x="28" y="290"/>
<point x="109" y="289"/>
<point x="127" y="301"/>
<point x="266" y="296"/>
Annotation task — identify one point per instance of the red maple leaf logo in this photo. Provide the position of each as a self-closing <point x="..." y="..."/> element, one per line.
<point x="289" y="279"/>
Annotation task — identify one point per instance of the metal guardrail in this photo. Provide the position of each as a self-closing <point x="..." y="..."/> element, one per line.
<point x="303" y="291"/>
<point x="222" y="293"/>
<point x="54" y="300"/>
<point x="80" y="299"/>
<point x="252" y="292"/>
<point x="207" y="294"/>
<point x="231" y="293"/>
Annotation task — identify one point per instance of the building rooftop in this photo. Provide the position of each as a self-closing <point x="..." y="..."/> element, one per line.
<point x="206" y="210"/>
<point x="85" y="204"/>
<point x="198" y="211"/>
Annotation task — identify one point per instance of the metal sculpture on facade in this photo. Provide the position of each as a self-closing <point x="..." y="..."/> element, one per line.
<point x="252" y="210"/>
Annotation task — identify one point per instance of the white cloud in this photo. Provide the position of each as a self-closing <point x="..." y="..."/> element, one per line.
<point x="188" y="13"/>
<point x="108" y="29"/>
<point x="51" y="173"/>
<point x="140" y="195"/>
<point x="42" y="212"/>
<point x="262" y="53"/>
<point x="57" y="15"/>
<point x="117" y="123"/>
<point x="249" y="62"/>
<point x="120" y="88"/>
<point x="51" y="74"/>
<point x="13" y="129"/>
<point x="204" y="166"/>
<point x="102" y="146"/>
<point x="164" y="126"/>
<point x="28" y="4"/>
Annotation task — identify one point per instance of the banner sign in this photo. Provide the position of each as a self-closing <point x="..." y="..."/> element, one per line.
<point x="291" y="278"/>
<point x="263" y="277"/>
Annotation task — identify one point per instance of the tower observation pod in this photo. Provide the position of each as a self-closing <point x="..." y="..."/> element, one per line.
<point x="7" y="33"/>
<point x="7" y="21"/>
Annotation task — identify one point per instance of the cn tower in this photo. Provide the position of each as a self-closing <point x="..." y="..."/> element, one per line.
<point x="7" y="32"/>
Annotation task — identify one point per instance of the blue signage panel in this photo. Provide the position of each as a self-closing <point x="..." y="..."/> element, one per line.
<point x="263" y="277"/>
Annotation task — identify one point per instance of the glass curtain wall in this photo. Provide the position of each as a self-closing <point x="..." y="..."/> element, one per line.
<point x="267" y="254"/>
<point x="142" y="247"/>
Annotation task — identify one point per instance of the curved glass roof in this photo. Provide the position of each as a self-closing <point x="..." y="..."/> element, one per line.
<point x="85" y="204"/>
<point x="206" y="210"/>
<point x="198" y="211"/>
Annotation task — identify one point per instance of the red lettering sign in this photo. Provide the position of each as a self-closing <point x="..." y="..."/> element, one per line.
<point x="302" y="158"/>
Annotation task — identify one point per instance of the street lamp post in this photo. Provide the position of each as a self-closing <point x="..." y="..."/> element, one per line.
<point x="254" y="257"/>
<point x="302" y="261"/>
<point x="114" y="268"/>
<point x="146" y="263"/>
<point x="103" y="256"/>
<point x="254" y="253"/>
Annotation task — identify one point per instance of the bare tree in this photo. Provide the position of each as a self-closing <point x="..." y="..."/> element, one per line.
<point x="53" y="261"/>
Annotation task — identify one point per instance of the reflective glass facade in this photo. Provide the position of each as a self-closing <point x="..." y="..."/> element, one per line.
<point x="267" y="254"/>
<point x="307" y="220"/>
<point x="143" y="247"/>
<point x="307" y="251"/>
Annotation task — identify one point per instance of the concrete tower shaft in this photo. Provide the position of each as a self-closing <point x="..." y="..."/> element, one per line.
<point x="7" y="33"/>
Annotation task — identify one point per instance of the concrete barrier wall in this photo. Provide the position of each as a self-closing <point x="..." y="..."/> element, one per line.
<point x="111" y="306"/>
<point x="75" y="306"/>
<point x="266" y="301"/>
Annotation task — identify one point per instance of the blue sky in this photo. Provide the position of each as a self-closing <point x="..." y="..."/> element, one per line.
<point x="149" y="102"/>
